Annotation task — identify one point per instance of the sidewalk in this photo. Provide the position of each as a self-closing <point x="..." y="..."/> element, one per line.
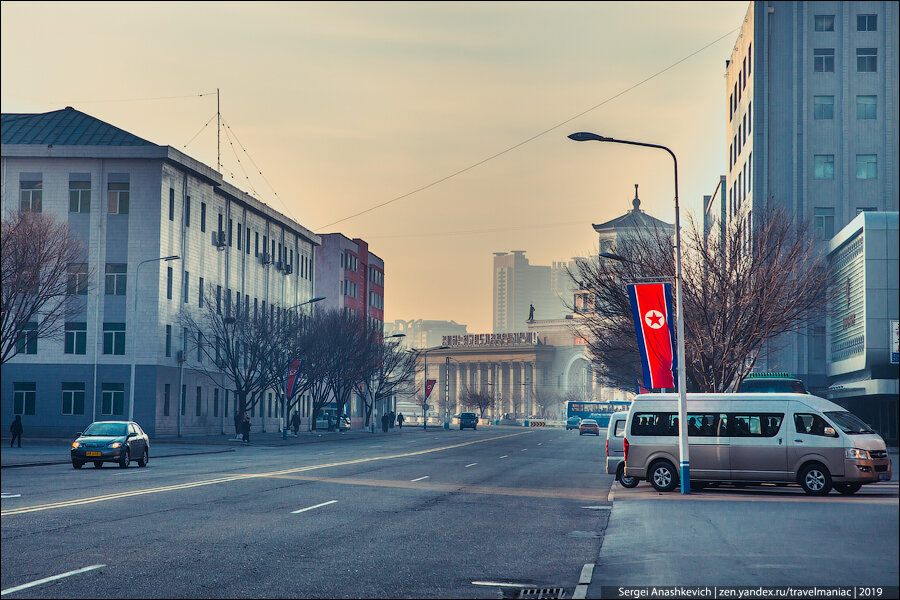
<point x="55" y="451"/>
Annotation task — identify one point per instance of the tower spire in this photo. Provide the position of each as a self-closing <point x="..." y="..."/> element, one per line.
<point x="637" y="201"/>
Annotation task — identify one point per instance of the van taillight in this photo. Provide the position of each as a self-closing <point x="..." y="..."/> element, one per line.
<point x="625" y="446"/>
<point x="607" y="448"/>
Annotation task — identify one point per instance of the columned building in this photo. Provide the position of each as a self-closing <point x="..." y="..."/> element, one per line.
<point x="130" y="202"/>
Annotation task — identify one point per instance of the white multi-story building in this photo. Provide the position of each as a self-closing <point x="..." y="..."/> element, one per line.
<point x="812" y="127"/>
<point x="130" y="201"/>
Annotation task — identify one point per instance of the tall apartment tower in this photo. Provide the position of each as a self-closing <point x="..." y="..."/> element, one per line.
<point x="812" y="128"/>
<point x="519" y="285"/>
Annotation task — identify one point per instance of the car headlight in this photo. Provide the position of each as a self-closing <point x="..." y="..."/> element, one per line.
<point x="76" y="444"/>
<point x="115" y="445"/>
<point x="856" y="453"/>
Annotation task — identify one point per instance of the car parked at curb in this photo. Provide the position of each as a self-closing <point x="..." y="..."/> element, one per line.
<point x="119" y="442"/>
<point x="615" y="450"/>
<point x="589" y="426"/>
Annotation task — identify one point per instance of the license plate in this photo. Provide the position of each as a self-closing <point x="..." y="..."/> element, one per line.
<point x="89" y="453"/>
<point x="884" y="477"/>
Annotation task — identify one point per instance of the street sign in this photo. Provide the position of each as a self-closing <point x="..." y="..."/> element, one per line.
<point x="425" y="407"/>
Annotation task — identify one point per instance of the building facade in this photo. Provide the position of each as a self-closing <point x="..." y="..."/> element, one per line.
<point x="350" y="278"/>
<point x="812" y="128"/>
<point x="423" y="333"/>
<point x="129" y="202"/>
<point x="518" y="285"/>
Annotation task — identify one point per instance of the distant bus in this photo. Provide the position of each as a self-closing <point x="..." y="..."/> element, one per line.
<point x="599" y="411"/>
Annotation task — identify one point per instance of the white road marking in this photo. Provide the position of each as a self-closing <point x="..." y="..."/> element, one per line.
<point x="5" y="495"/>
<point x="500" y="584"/>
<point x="472" y="465"/>
<point x="597" y="507"/>
<point x="505" y="456"/>
<point x="48" y="579"/>
<point x="524" y="449"/>
<point x="420" y="478"/>
<point x="587" y="572"/>
<point x="539" y="444"/>
<point x="294" y="512"/>
<point x="323" y="453"/>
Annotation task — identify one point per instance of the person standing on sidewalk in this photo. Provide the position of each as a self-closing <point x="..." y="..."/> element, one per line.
<point x="400" y="420"/>
<point x="245" y="429"/>
<point x="16" y="430"/>
<point x="237" y="424"/>
<point x="384" y="423"/>
<point x="295" y="422"/>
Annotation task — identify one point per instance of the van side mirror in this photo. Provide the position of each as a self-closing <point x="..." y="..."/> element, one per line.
<point x="830" y="432"/>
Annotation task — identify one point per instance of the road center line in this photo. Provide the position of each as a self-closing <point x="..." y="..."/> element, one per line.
<point x="48" y="579"/>
<point x="472" y="465"/>
<point x="420" y="478"/>
<point x="239" y="477"/>
<point x="294" y="512"/>
<point x="505" y="456"/>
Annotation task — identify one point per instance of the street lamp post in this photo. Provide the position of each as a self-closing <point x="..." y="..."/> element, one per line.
<point x="284" y="429"/>
<point x="374" y="404"/>
<point x="134" y="328"/>
<point x="584" y="136"/>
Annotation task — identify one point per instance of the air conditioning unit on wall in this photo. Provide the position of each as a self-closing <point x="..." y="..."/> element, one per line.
<point x="219" y="239"/>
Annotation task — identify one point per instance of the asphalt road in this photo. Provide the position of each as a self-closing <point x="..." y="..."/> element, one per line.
<point x="419" y="514"/>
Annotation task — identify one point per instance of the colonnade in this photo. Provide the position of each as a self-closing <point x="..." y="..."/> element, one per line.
<point x="512" y="383"/>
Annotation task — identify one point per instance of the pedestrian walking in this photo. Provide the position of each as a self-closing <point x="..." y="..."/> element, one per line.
<point x="384" y="423"/>
<point x="392" y="418"/>
<point x="237" y="424"/>
<point x="295" y="422"/>
<point x="400" y="420"/>
<point x="245" y="429"/>
<point x="16" y="430"/>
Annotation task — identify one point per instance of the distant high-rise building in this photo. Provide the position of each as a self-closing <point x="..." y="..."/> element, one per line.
<point x="518" y="286"/>
<point x="423" y="333"/>
<point x="812" y="129"/>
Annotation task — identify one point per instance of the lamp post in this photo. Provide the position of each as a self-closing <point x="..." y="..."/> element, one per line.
<point x="685" y="465"/>
<point x="425" y="389"/>
<point x="284" y="429"/>
<point x="374" y="403"/>
<point x="447" y="394"/>
<point x="134" y="329"/>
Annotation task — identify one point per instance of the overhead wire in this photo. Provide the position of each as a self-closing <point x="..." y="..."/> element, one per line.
<point x="532" y="138"/>
<point x="142" y="99"/>
<point x="200" y="131"/>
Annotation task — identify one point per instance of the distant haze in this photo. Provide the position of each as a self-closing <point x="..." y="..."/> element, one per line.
<point x="343" y="106"/>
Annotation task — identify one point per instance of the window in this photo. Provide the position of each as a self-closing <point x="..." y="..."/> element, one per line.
<point x="746" y="426"/>
<point x="114" y="338"/>
<point x="199" y="346"/>
<point x="216" y="402"/>
<point x="823" y="60"/>
<point x="824" y="222"/>
<point x="866" y="108"/>
<point x="199" y="399"/>
<point x="27" y="341"/>
<point x="655" y="424"/>
<point x="866" y="166"/>
<point x="24" y="396"/>
<point x="171" y="204"/>
<point x="867" y="22"/>
<point x="749" y="117"/>
<point x="118" y="194"/>
<point x="200" y="294"/>
<point x="866" y="60"/>
<point x="30" y="193"/>
<point x="113" y="399"/>
<point x="812" y="425"/>
<point x="78" y="278"/>
<point x="823" y="108"/>
<point x="824" y="22"/>
<point x="169" y="283"/>
<point x="183" y="398"/>
<point x="230" y="230"/>
<point x="239" y="235"/>
<point x="247" y="243"/>
<point x="823" y="166"/>
<point x="116" y="276"/>
<point x="203" y="216"/>
<point x="167" y="394"/>
<point x="185" y="288"/>
<point x="72" y="398"/>
<point x="168" y="340"/>
<point x="79" y="196"/>
<point x="256" y="245"/>
<point x="707" y="424"/>
<point x="187" y="211"/>
<point x="76" y="338"/>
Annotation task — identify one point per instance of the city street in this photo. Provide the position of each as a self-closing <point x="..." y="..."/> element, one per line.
<point x="410" y="514"/>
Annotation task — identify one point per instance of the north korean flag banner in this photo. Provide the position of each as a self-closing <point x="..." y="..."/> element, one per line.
<point x="654" y="324"/>
<point x="639" y="387"/>
<point x="293" y="371"/>
<point x="429" y="385"/>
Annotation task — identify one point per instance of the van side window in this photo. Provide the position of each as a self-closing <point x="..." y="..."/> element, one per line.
<point x="620" y="429"/>
<point x="655" y="424"/>
<point x="705" y="424"/>
<point x="746" y="426"/>
<point x="811" y="424"/>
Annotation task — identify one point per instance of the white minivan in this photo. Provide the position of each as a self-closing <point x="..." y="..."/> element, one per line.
<point x="615" y="450"/>
<point x="754" y="437"/>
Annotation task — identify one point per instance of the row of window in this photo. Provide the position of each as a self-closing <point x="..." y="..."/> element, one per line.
<point x="376" y="300"/>
<point x="745" y="127"/>
<point x="349" y="261"/>
<point x="348" y="288"/>
<point x="866" y="108"/>
<point x="724" y="424"/>
<point x="75" y="339"/>
<point x="866" y="166"/>
<point x="376" y="276"/>
<point x="866" y="60"/>
<point x="112" y="398"/>
<point x="864" y="22"/>
<point x="31" y="194"/>
<point x="746" y="69"/>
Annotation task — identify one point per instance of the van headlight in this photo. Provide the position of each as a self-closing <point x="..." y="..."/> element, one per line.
<point x="856" y="453"/>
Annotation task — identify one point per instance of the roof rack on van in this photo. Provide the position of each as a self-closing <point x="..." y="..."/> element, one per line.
<point x="764" y="375"/>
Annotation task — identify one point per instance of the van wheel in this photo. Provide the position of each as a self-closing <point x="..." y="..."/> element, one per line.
<point x="663" y="476"/>
<point x="815" y="480"/>
<point x="847" y="489"/>
<point x="625" y="480"/>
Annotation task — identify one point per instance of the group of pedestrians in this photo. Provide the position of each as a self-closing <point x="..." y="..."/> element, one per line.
<point x="389" y="419"/>
<point x="242" y="426"/>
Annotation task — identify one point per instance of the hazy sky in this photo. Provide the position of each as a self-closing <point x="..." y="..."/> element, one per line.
<point x="344" y="106"/>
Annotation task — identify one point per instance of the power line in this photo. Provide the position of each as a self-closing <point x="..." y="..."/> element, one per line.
<point x="477" y="231"/>
<point x="142" y="99"/>
<point x="532" y="138"/>
<point x="199" y="132"/>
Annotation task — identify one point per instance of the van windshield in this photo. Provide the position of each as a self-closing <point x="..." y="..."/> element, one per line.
<point x="848" y="422"/>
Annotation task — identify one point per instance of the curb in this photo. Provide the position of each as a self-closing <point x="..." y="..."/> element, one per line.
<point x="66" y="462"/>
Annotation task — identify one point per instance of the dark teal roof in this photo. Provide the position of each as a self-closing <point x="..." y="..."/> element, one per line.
<point x="67" y="127"/>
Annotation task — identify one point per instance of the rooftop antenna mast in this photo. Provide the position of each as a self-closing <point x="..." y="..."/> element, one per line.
<point x="218" y="134"/>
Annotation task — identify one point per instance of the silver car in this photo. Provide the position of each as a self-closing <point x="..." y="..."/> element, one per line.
<point x="615" y="450"/>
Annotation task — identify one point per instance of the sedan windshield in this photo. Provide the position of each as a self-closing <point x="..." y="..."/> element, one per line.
<point x="589" y="422"/>
<point x="106" y="429"/>
<point x="849" y="422"/>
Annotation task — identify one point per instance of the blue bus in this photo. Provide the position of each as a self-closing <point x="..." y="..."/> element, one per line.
<point x="599" y="411"/>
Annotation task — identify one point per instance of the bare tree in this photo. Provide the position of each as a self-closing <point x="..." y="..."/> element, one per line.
<point x="742" y="289"/>
<point x="477" y="400"/>
<point x="43" y="272"/>
<point x="388" y="368"/>
<point x="546" y="402"/>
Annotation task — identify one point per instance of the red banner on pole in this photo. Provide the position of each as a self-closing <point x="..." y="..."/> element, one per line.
<point x="293" y="371"/>
<point x="654" y="324"/>
<point x="429" y="385"/>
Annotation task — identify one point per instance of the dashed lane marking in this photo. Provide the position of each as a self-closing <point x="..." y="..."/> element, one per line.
<point x="471" y="465"/>
<point x="25" y="586"/>
<point x="294" y="512"/>
<point x="420" y="478"/>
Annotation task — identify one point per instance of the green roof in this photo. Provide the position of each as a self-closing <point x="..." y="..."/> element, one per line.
<point x="67" y="127"/>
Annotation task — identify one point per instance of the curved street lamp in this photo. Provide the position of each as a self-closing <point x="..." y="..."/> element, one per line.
<point x="585" y="136"/>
